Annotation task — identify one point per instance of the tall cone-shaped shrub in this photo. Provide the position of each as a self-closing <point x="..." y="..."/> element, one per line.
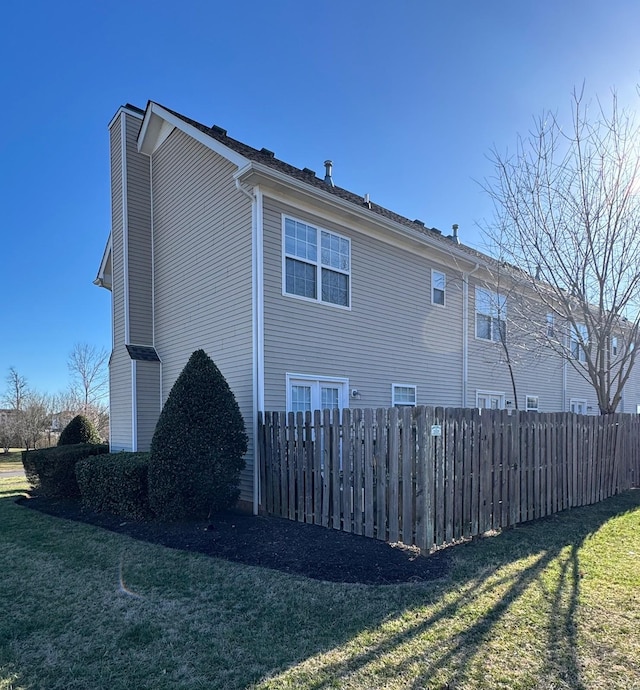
<point x="198" y="445"/>
<point x="78" y="430"/>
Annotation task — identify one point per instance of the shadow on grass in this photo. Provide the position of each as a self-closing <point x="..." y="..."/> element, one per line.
<point x="438" y="634"/>
<point x="435" y="651"/>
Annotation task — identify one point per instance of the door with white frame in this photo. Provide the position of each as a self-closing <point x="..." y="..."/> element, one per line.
<point x="578" y="406"/>
<point x="306" y="393"/>
<point x="489" y="400"/>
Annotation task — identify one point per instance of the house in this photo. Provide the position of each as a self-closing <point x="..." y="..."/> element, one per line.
<point x="305" y="295"/>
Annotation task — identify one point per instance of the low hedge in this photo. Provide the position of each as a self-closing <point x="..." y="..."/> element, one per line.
<point x="51" y="471"/>
<point x="115" y="483"/>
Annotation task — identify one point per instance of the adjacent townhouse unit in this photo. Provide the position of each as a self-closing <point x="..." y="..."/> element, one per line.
<point x="304" y="294"/>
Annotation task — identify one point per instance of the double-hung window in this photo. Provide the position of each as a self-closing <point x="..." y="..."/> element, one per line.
<point x="317" y="263"/>
<point x="438" y="286"/>
<point x="579" y="341"/>
<point x="491" y="315"/>
<point x="403" y="395"/>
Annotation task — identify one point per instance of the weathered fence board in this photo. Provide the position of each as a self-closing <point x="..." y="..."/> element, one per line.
<point x="429" y="476"/>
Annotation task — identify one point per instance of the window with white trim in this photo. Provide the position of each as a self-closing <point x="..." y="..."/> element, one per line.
<point x="614" y="346"/>
<point x="404" y="395"/>
<point x="491" y="314"/>
<point x="579" y="341"/>
<point x="550" y="325"/>
<point x="438" y="287"/>
<point x="533" y="403"/>
<point x="317" y="263"/>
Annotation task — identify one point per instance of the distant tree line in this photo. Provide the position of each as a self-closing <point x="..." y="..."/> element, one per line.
<point x="32" y="419"/>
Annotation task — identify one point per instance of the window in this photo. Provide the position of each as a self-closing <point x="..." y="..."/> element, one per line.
<point x="489" y="400"/>
<point x="317" y="264"/>
<point x="438" y="285"/>
<point x="550" y="325"/>
<point x="579" y="340"/>
<point x="614" y="347"/>
<point x="308" y="393"/>
<point x="491" y="312"/>
<point x="403" y="395"/>
<point x="578" y="406"/>
<point x="532" y="403"/>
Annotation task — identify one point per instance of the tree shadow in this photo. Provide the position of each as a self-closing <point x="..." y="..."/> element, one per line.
<point x="554" y="541"/>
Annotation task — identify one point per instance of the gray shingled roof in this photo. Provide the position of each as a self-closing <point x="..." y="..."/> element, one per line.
<point x="267" y="158"/>
<point x="143" y="353"/>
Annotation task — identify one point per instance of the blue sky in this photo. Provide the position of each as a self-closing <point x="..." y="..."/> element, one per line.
<point x="406" y="97"/>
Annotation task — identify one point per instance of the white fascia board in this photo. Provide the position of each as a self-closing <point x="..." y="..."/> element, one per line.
<point x="269" y="178"/>
<point x="159" y="122"/>
<point x="103" y="279"/>
<point x="128" y="111"/>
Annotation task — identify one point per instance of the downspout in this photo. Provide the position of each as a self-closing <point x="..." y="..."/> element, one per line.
<point x="257" y="308"/>
<point x="465" y="332"/>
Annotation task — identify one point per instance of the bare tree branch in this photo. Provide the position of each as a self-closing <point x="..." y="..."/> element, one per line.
<point x="567" y="216"/>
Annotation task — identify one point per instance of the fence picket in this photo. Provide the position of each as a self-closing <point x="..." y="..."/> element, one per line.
<point x="383" y="474"/>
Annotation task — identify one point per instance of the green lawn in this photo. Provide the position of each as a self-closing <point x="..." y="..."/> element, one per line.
<point x="11" y="460"/>
<point x="554" y="604"/>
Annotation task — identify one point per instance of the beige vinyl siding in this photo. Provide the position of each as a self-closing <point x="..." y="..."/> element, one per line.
<point x="148" y="401"/>
<point x="578" y="388"/>
<point x="391" y="334"/>
<point x="119" y="363"/>
<point x="538" y="371"/>
<point x="120" y="400"/>
<point x="139" y="239"/>
<point x="202" y="244"/>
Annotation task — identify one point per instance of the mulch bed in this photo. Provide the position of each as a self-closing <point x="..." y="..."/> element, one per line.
<point x="277" y="543"/>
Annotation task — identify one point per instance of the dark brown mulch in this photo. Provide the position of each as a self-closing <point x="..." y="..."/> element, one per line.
<point x="277" y="543"/>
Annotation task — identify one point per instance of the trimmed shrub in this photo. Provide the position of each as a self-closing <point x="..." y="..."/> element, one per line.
<point x="198" y="445"/>
<point x="51" y="471"/>
<point x="78" y="430"/>
<point x="115" y="483"/>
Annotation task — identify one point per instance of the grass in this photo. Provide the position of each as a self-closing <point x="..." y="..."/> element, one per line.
<point x="11" y="460"/>
<point x="551" y="604"/>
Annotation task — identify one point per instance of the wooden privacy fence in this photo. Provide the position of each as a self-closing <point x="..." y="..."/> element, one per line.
<point x="429" y="476"/>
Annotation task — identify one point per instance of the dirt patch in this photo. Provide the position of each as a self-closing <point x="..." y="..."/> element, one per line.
<point x="292" y="547"/>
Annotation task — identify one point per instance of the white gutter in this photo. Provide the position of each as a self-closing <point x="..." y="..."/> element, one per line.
<point x="465" y="332"/>
<point x="363" y="213"/>
<point x="257" y="307"/>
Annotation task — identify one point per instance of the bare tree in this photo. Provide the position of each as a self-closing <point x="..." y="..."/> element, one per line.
<point x="88" y="368"/>
<point x="568" y="222"/>
<point x="16" y="391"/>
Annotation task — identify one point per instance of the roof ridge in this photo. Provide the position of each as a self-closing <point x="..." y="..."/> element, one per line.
<point x="269" y="159"/>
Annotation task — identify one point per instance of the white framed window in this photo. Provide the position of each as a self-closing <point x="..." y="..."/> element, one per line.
<point x="489" y="400"/>
<point x="614" y="346"/>
<point x="306" y="393"/>
<point x="404" y="395"/>
<point x="551" y="325"/>
<point x="491" y="315"/>
<point x="532" y="403"/>
<point x="579" y="340"/>
<point x="578" y="405"/>
<point x="316" y="263"/>
<point x="438" y="287"/>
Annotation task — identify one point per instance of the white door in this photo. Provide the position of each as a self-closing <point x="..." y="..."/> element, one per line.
<point x="307" y="393"/>
<point x="486" y="400"/>
<point x="578" y="406"/>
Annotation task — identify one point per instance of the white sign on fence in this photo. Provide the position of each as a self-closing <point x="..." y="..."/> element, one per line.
<point x="436" y="430"/>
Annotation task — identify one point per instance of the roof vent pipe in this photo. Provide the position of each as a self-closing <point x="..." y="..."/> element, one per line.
<point x="455" y="237"/>
<point x="327" y="178"/>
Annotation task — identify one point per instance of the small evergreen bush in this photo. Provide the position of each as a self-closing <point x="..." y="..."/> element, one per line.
<point x="51" y="471"/>
<point x="115" y="483"/>
<point x="198" y="445"/>
<point x="78" y="430"/>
